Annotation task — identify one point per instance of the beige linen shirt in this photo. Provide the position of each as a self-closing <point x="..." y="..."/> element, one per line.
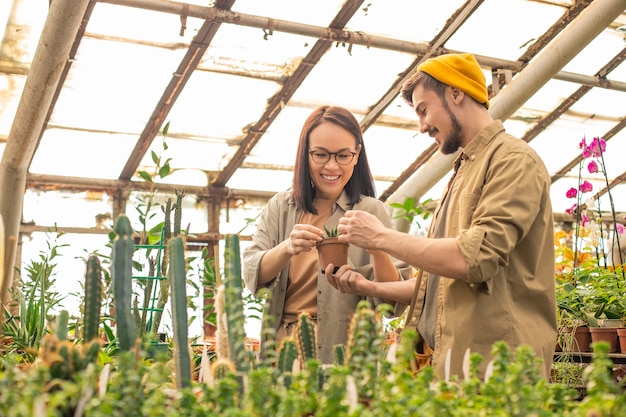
<point x="500" y="213"/>
<point x="334" y="309"/>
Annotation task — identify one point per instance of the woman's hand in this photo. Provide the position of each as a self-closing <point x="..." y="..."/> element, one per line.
<point x="303" y="238"/>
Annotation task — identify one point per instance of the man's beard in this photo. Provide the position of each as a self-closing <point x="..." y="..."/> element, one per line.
<point x="452" y="142"/>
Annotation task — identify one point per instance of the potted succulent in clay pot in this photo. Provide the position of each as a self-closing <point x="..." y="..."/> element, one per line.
<point x="331" y="250"/>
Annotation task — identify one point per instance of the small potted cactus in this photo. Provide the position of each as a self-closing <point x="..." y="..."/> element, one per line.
<point x="331" y="250"/>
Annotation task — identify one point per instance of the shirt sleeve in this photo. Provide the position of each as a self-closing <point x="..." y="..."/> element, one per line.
<point x="264" y="238"/>
<point x="501" y="215"/>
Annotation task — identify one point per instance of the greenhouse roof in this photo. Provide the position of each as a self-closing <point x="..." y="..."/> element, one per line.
<point x="87" y="88"/>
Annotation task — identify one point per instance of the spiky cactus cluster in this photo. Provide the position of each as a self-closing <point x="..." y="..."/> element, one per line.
<point x="63" y="357"/>
<point x="364" y="348"/>
<point x="306" y="338"/>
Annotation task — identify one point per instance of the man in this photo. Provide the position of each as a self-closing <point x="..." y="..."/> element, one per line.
<point x="487" y="266"/>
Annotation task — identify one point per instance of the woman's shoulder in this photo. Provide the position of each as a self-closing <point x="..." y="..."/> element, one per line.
<point x="368" y="203"/>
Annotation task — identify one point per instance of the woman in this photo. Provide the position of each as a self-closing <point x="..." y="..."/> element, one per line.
<point x="331" y="175"/>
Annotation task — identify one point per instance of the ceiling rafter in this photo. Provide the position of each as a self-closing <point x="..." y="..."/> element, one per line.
<point x="277" y="102"/>
<point x="179" y="79"/>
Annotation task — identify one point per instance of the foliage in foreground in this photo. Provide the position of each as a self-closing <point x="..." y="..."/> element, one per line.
<point x="130" y="385"/>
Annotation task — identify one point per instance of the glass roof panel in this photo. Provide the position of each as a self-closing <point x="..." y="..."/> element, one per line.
<point x="74" y="153"/>
<point x="597" y="53"/>
<point x="145" y="26"/>
<point x="114" y="86"/>
<point x="607" y="104"/>
<point x="11" y="87"/>
<point x="319" y="12"/>
<point x="403" y="19"/>
<point x="489" y="32"/>
<point x="352" y="78"/>
<point x="278" y="146"/>
<point x="218" y="106"/>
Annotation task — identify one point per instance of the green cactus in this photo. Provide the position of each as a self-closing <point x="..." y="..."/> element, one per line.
<point x="306" y="338"/>
<point x="93" y="298"/>
<point x="178" y="211"/>
<point x="61" y="326"/>
<point x="287" y="354"/>
<point x="339" y="354"/>
<point x="121" y="274"/>
<point x="268" y="355"/>
<point x="221" y="368"/>
<point x="178" y="282"/>
<point x="233" y="289"/>
<point x="163" y="284"/>
<point x="63" y="357"/>
<point x="364" y="348"/>
<point x="332" y="232"/>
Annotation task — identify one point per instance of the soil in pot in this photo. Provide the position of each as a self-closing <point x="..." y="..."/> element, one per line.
<point x="332" y="251"/>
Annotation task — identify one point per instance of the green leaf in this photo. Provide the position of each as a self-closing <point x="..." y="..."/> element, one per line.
<point x="145" y="176"/>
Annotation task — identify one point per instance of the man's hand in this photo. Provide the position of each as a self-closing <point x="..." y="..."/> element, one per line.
<point x="359" y="228"/>
<point x="346" y="280"/>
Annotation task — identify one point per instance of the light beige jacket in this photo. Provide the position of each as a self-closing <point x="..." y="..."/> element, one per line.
<point x="334" y="309"/>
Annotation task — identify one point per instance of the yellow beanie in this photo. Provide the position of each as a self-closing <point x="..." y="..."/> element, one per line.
<point x="460" y="71"/>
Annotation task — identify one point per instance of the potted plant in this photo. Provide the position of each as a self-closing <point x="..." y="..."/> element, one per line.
<point x="331" y="250"/>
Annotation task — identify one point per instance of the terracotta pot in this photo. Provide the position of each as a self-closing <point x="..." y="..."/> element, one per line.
<point x="581" y="341"/>
<point x="621" y="336"/>
<point x="331" y="251"/>
<point x="606" y="334"/>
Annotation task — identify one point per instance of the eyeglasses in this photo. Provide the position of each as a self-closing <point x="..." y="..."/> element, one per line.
<point x="342" y="157"/>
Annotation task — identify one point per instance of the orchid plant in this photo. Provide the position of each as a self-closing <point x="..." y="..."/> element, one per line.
<point x="587" y="211"/>
<point x="583" y="270"/>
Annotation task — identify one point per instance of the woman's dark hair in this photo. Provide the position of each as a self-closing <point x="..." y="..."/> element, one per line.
<point x="361" y="181"/>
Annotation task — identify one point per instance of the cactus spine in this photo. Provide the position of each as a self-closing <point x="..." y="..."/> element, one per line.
<point x="178" y="283"/>
<point x="305" y="338"/>
<point x="233" y="287"/>
<point x="93" y="298"/>
<point x="121" y="273"/>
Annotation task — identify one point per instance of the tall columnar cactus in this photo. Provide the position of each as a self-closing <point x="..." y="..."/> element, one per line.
<point x="305" y="338"/>
<point x="121" y="274"/>
<point x="61" y="329"/>
<point x="163" y="284"/>
<point x="93" y="298"/>
<point x="233" y="286"/>
<point x="178" y="283"/>
<point x="363" y="351"/>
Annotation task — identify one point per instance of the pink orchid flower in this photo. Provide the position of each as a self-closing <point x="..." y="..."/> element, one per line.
<point x="585" y="187"/>
<point x="572" y="210"/>
<point x="584" y="220"/>
<point x="571" y="193"/>
<point x="592" y="167"/>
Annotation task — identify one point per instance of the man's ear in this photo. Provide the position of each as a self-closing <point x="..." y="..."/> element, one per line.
<point x="457" y="94"/>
